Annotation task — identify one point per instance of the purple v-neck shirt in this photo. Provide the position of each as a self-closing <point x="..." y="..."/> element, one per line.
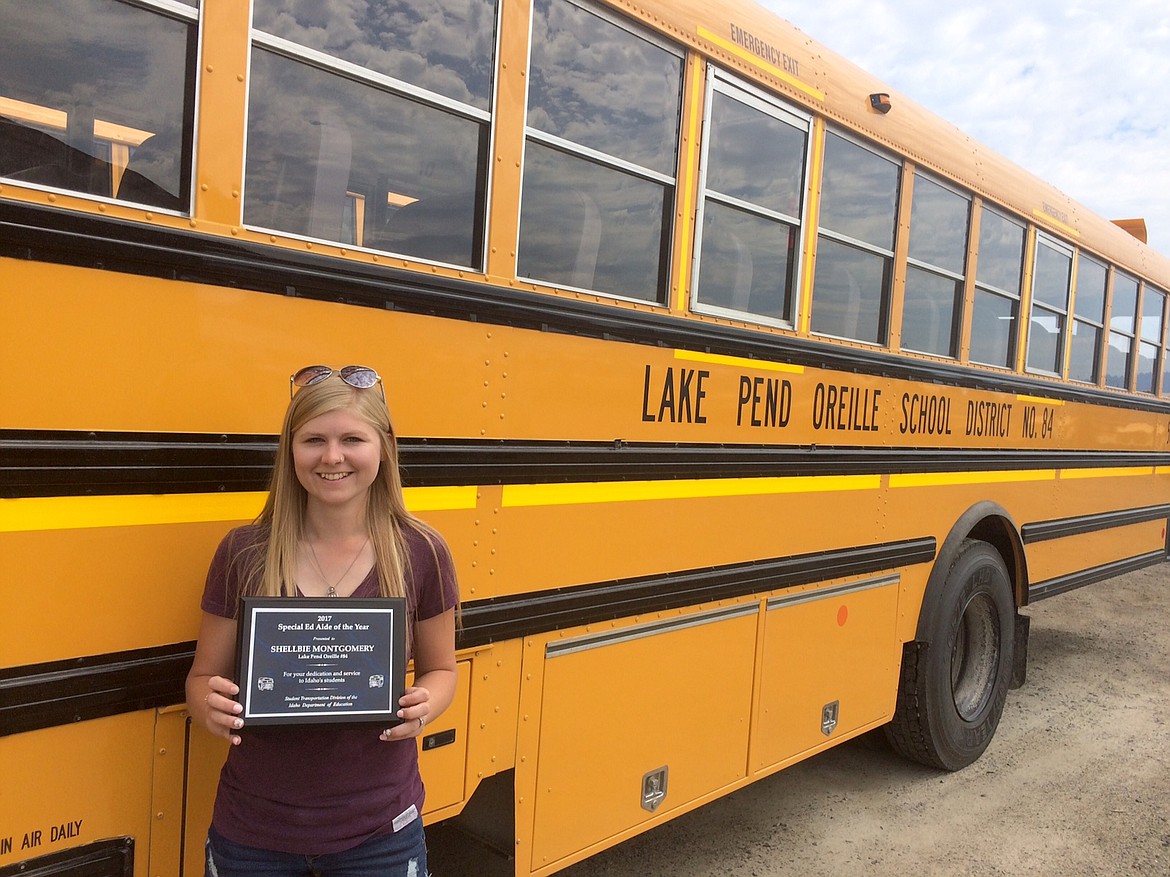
<point x="314" y="789"/>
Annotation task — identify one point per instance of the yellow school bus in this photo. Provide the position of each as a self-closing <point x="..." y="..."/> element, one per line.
<point x="754" y="402"/>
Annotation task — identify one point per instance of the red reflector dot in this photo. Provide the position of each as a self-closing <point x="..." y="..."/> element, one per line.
<point x="842" y="616"/>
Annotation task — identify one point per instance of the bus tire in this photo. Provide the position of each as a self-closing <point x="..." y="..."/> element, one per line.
<point x="955" y="676"/>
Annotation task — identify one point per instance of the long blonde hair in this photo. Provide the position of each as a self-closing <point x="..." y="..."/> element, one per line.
<point x="270" y="570"/>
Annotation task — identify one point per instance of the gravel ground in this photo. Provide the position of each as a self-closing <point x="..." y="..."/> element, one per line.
<point x="1076" y="781"/>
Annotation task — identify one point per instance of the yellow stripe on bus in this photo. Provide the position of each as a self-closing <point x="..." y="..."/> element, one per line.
<point x="942" y="479"/>
<point x="528" y="495"/>
<point x="739" y="362"/>
<point x="1040" y="400"/>
<point x="88" y="512"/>
<point x="1052" y="220"/>
<point x="1115" y="472"/>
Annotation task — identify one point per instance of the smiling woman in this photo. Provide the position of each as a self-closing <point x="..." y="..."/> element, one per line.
<point x="335" y="525"/>
<point x="717" y="371"/>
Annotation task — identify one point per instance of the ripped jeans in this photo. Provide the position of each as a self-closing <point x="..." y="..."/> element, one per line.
<point x="401" y="854"/>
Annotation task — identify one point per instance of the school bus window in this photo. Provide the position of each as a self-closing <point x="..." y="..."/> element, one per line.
<point x="446" y="46"/>
<point x="753" y="183"/>
<point x="1122" y="317"/>
<point x="855" y="252"/>
<point x="599" y="161"/>
<point x="1051" y="285"/>
<point x="1088" y="324"/>
<point x="1150" y="339"/>
<point x="997" y="290"/>
<point x="933" y="302"/>
<point x="98" y="98"/>
<point x="319" y="141"/>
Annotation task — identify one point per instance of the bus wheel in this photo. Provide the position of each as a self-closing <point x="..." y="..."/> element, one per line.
<point x="955" y="677"/>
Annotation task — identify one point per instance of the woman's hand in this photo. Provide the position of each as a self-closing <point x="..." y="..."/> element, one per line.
<point x="223" y="710"/>
<point x="414" y="710"/>
<point x="210" y="693"/>
<point x="435" y="676"/>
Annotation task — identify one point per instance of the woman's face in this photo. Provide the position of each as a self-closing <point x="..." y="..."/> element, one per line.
<point x="337" y="457"/>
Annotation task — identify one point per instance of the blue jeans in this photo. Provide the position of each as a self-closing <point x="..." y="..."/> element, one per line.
<point x="400" y="854"/>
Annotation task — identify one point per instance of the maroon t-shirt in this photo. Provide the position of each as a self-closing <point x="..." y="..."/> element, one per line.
<point x="314" y="789"/>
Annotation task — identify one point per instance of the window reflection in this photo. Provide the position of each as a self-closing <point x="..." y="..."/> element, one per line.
<point x="1051" y="286"/>
<point x="1147" y="368"/>
<point x="1117" y="361"/>
<point x="756" y="157"/>
<point x="568" y="232"/>
<point x="930" y="312"/>
<point x="754" y="184"/>
<point x="599" y="162"/>
<point x="332" y="158"/>
<point x="1082" y="361"/>
<point x="859" y="193"/>
<point x="1153" y="304"/>
<point x="748" y="263"/>
<point x="993" y="329"/>
<point x="854" y="262"/>
<point x="97" y="97"/>
<point x="1001" y="253"/>
<point x="443" y="46"/>
<point x="1088" y="320"/>
<point x="997" y="294"/>
<point x="939" y="221"/>
<point x="1124" y="309"/>
<point x="1122" y="323"/>
<point x="603" y="87"/>
<point x="849" y="292"/>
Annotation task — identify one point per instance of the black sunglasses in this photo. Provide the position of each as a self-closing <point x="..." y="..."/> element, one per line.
<point x="359" y="377"/>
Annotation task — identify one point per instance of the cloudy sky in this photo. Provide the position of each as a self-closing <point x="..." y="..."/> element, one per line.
<point x="1080" y="88"/>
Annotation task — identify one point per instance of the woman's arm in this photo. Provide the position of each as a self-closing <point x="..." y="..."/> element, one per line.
<point x="434" y="676"/>
<point x="210" y="690"/>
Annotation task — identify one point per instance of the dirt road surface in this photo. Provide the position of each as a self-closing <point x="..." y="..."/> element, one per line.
<point x="1076" y="781"/>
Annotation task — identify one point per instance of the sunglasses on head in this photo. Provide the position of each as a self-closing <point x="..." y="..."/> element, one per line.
<point x="359" y="377"/>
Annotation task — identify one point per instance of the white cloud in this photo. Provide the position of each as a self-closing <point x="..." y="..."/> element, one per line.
<point x="1075" y="92"/>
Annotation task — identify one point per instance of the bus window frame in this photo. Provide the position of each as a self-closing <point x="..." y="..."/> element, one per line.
<point x="121" y="139"/>
<point x="1062" y="343"/>
<point x="1101" y="325"/>
<point x="736" y="88"/>
<point x="1131" y="358"/>
<point x="957" y="329"/>
<point x="889" y="257"/>
<point x="397" y="88"/>
<point x="979" y="286"/>
<point x="672" y="181"/>
<point x="1144" y="341"/>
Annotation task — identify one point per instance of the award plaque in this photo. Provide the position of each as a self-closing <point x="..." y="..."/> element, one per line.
<point x="329" y="660"/>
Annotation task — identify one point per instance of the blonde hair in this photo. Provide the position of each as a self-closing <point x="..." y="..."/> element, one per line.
<point x="270" y="569"/>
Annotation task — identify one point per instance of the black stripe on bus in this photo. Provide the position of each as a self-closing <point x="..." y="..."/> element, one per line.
<point x="49" y="463"/>
<point x="505" y="618"/>
<point x="1042" y="531"/>
<point x="63" y="692"/>
<point x="1072" y="581"/>
<point x="35" y="232"/>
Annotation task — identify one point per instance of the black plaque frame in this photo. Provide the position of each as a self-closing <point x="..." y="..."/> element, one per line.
<point x="331" y="660"/>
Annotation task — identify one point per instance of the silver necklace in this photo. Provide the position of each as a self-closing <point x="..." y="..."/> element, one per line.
<point x="332" y="592"/>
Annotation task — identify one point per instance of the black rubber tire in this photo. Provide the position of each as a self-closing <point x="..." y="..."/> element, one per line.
<point x="955" y="676"/>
